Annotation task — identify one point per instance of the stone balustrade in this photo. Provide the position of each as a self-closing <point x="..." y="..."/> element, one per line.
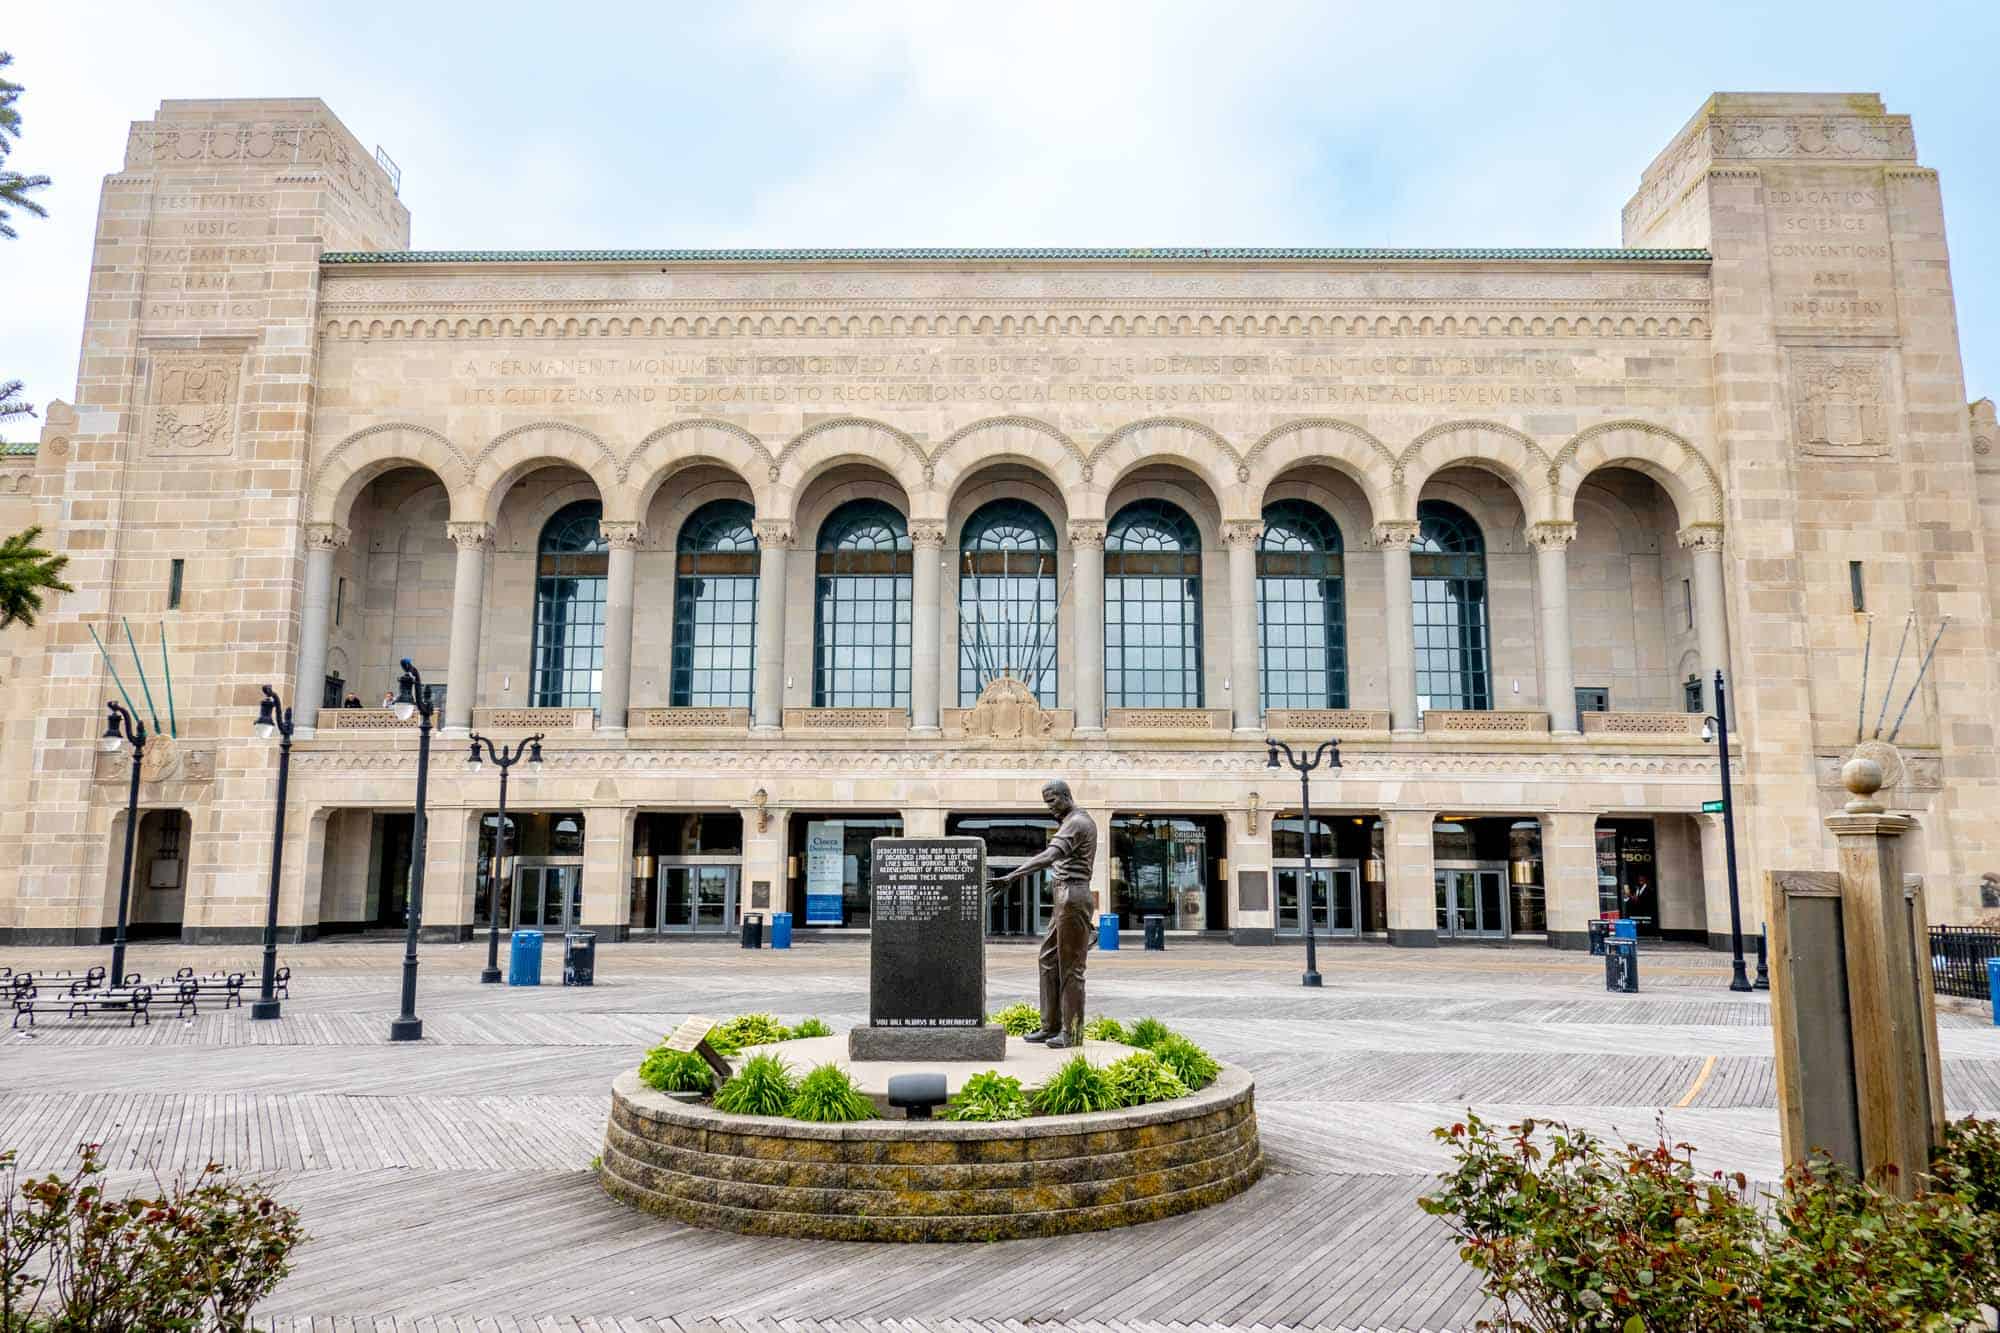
<point x="1168" y="721"/>
<point x="1502" y="722"/>
<point x="848" y="721"/>
<point x="363" y="719"/>
<point x="1643" y="726"/>
<point x="533" y="719"/>
<point x="1345" y="723"/>
<point x="649" y="722"/>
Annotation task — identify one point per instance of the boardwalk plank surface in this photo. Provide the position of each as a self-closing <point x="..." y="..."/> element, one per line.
<point x="446" y="1184"/>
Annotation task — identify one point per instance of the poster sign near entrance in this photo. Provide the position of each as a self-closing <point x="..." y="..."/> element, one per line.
<point x="826" y="865"/>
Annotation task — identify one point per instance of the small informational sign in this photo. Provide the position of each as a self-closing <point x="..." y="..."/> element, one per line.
<point x="927" y="965"/>
<point x="826" y="871"/>
<point x="693" y="1036"/>
<point x="1711" y="807"/>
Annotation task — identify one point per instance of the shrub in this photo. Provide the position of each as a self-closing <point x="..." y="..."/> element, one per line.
<point x="1076" y="1087"/>
<point x="676" y="1071"/>
<point x="201" y="1254"/>
<point x="1195" y="1067"/>
<point x="1018" y="1019"/>
<point x="991" y="1095"/>
<point x="1105" y="1029"/>
<point x="808" y="1027"/>
<point x="1570" y="1235"/>
<point x="1969" y="1161"/>
<point x="1143" y="1077"/>
<point x="827" y="1095"/>
<point x="1148" y="1032"/>
<point x="763" y="1086"/>
<point x="734" y="1034"/>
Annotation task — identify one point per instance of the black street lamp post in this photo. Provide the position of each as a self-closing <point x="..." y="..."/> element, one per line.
<point x="124" y="729"/>
<point x="1716" y="729"/>
<point x="413" y="699"/>
<point x="1329" y="753"/>
<point x="274" y="719"/>
<point x="503" y="759"/>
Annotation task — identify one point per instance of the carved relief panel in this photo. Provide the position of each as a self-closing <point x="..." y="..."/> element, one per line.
<point x="1841" y="402"/>
<point x="191" y="404"/>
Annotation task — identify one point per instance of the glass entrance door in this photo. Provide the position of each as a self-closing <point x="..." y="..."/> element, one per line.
<point x="1472" y="901"/>
<point x="697" y="898"/>
<point x="547" y="897"/>
<point x="1022" y="907"/>
<point x="1335" y="900"/>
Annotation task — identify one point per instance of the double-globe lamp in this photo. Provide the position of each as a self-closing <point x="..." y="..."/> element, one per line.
<point x="504" y="758"/>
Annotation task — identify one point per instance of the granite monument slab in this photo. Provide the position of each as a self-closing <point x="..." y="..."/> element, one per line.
<point x="927" y="953"/>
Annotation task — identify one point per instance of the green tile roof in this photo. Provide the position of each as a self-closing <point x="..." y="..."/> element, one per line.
<point x="1171" y="253"/>
<point x="18" y="448"/>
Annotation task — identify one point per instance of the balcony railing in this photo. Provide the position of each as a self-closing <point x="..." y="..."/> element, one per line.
<point x="687" y="721"/>
<point x="533" y="719"/>
<point x="1642" y="726"/>
<point x="362" y="719"/>
<point x="1501" y="722"/>
<point x="848" y="721"/>
<point x="1168" y="721"/>
<point x="1341" y="722"/>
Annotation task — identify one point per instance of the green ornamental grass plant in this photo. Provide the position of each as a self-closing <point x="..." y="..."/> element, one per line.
<point x="1195" y="1067"/>
<point x="1106" y="1029"/>
<point x="990" y="1095"/>
<point x="1077" y="1087"/>
<point x="1143" y="1077"/>
<point x="808" y="1027"/>
<point x="763" y="1086"/>
<point x="745" y="1030"/>
<point x="1147" y="1032"/>
<point x="827" y="1095"/>
<point x="1017" y="1019"/>
<point x="676" y="1071"/>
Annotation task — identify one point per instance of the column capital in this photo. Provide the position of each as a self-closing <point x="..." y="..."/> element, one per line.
<point x="1242" y="532"/>
<point x="1086" y="532"/>
<point x="776" y="532"/>
<point x="1397" y="534"/>
<point x="475" y="536"/>
<point x="1700" y="537"/>
<point x="622" y="535"/>
<point x="927" y="536"/>
<point x="327" y="536"/>
<point x="1551" y="536"/>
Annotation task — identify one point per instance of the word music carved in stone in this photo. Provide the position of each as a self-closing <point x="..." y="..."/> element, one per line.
<point x="1840" y="403"/>
<point x="191" y="405"/>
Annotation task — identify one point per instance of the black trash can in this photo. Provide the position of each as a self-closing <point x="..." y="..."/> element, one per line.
<point x="753" y="930"/>
<point x="1156" y="932"/>
<point x="580" y="958"/>
<point x="1621" y="966"/>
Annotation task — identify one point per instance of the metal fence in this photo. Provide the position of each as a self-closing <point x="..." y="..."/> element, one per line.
<point x="1958" y="959"/>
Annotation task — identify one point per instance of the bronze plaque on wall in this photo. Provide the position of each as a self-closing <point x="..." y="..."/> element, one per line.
<point x="1253" y="890"/>
<point x="760" y="894"/>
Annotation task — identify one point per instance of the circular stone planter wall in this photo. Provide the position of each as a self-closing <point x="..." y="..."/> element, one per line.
<point x="930" y="1180"/>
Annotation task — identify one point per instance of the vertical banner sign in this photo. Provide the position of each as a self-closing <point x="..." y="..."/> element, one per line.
<point x="826" y="845"/>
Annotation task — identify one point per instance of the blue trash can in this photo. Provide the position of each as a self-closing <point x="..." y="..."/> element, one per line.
<point x="1625" y="929"/>
<point x="1107" y="930"/>
<point x="524" y="959"/>
<point x="781" y="930"/>
<point x="1993" y="987"/>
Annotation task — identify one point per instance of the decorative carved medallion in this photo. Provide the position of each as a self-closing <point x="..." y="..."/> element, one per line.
<point x="1008" y="710"/>
<point x="1840" y="403"/>
<point x="191" y="404"/>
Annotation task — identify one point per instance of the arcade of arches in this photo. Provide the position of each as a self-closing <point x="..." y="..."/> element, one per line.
<point x="779" y="552"/>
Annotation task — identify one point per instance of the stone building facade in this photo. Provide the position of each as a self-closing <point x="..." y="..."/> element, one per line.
<point x="779" y="551"/>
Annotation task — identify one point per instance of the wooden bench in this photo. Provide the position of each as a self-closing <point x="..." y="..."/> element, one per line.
<point x="133" y="1001"/>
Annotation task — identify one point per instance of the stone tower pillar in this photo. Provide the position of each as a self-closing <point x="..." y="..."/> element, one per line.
<point x="1841" y="435"/>
<point x="194" y="397"/>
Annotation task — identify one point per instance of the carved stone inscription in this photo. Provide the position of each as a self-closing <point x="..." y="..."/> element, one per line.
<point x="1830" y="258"/>
<point x="191" y="404"/>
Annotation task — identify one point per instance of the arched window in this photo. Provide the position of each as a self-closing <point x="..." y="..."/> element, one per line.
<point x="861" y="616"/>
<point x="715" y="608"/>
<point x="1152" y="608"/>
<point x="569" y="609"/>
<point x="1301" y="608"/>
<point x="1448" y="604"/>
<point x="1007" y="600"/>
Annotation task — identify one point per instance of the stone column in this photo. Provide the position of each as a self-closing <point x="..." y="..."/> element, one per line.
<point x="315" y="623"/>
<point x="1086" y="540"/>
<point x="1551" y="542"/>
<point x="1244" y="642"/>
<point x="614" y="698"/>
<point x="468" y="602"/>
<point x="1100" y="863"/>
<point x="1394" y="538"/>
<point x="1406" y="845"/>
<point x="927" y="546"/>
<point x="1703" y="543"/>
<point x="1569" y="877"/>
<point x="774" y="540"/>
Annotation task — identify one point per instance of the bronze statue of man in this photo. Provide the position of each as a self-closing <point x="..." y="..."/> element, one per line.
<point x="1067" y="858"/>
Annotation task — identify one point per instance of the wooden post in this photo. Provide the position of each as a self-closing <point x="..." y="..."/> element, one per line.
<point x="1853" y="1021"/>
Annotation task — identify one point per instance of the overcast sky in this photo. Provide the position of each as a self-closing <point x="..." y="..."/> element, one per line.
<point x="1413" y="123"/>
